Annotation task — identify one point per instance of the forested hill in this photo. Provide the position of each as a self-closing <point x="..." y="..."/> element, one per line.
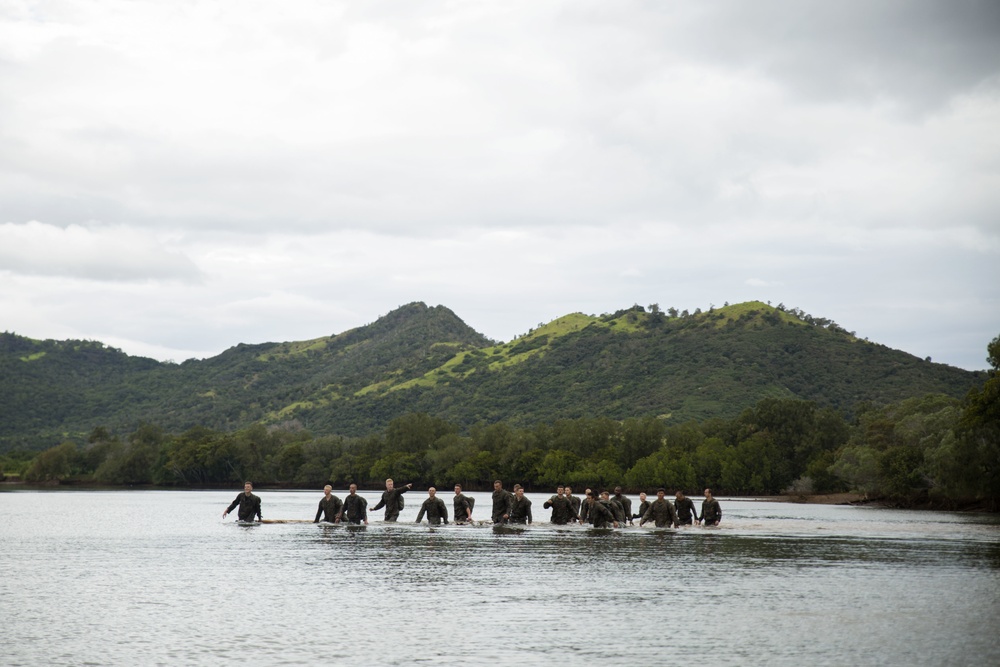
<point x="632" y="363"/>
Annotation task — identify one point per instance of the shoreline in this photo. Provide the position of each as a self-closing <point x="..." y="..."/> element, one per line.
<point x="846" y="498"/>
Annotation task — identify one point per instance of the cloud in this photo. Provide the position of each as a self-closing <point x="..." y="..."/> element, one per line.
<point x="100" y="253"/>
<point x="227" y="174"/>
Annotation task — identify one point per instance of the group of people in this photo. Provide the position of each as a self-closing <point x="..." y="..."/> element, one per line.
<point x="604" y="510"/>
<point x="601" y="510"/>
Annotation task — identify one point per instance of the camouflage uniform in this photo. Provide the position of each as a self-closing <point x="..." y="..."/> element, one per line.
<point x="562" y="510"/>
<point x="463" y="508"/>
<point x="520" y="510"/>
<point x="355" y="508"/>
<point x="330" y="508"/>
<point x="662" y="512"/>
<point x="501" y="504"/>
<point x="600" y="515"/>
<point x="626" y="505"/>
<point x="436" y="511"/>
<point x="711" y="512"/>
<point x="617" y="511"/>
<point x="392" y="502"/>
<point x="685" y="511"/>
<point x="575" y="502"/>
<point x="249" y="505"/>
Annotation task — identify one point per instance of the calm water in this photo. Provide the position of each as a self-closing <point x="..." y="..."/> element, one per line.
<point x="156" y="577"/>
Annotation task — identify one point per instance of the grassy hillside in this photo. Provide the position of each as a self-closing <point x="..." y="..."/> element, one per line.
<point x="416" y="358"/>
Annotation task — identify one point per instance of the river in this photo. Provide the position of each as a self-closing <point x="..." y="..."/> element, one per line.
<point x="157" y="577"/>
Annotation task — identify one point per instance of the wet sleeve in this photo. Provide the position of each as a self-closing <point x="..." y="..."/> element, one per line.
<point x="319" y="510"/>
<point x="233" y="505"/>
<point x="420" y="514"/>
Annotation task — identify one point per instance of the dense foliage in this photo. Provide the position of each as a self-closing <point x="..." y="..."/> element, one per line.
<point x="628" y="365"/>
<point x="929" y="449"/>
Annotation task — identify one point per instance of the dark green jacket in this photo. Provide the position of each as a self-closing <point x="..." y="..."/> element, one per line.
<point x="600" y="514"/>
<point x="355" y="508"/>
<point x="626" y="505"/>
<point x="562" y="510"/>
<point x="330" y="508"/>
<point x="501" y="504"/>
<point x="392" y="502"/>
<point x="662" y="512"/>
<point x="520" y="510"/>
<point x="643" y="506"/>
<point x="616" y="509"/>
<point x="436" y="511"/>
<point x="575" y="501"/>
<point x="463" y="508"/>
<point x="685" y="511"/>
<point x="711" y="512"/>
<point x="249" y="505"/>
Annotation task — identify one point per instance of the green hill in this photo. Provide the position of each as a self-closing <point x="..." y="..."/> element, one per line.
<point x="420" y="358"/>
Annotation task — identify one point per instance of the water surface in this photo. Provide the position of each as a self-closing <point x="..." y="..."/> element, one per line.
<point x="156" y="577"/>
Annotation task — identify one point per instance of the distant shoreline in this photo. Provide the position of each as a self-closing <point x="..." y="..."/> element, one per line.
<point x="849" y="498"/>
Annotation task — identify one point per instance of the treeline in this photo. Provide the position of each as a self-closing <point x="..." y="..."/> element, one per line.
<point x="933" y="449"/>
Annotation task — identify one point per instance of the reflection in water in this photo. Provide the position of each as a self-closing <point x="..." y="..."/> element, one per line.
<point x="145" y="577"/>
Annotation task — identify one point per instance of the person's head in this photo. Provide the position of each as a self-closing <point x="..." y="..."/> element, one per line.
<point x="660" y="493"/>
<point x="588" y="492"/>
<point x="618" y="490"/>
<point x="327" y="489"/>
<point x="388" y="485"/>
<point x="560" y="490"/>
<point x="679" y="495"/>
<point x="519" y="491"/>
<point x="642" y="496"/>
<point x="458" y="489"/>
<point x="708" y="493"/>
<point x="353" y="488"/>
<point x="605" y="495"/>
<point x="569" y="491"/>
<point x="497" y="485"/>
<point x="247" y="487"/>
<point x="431" y="492"/>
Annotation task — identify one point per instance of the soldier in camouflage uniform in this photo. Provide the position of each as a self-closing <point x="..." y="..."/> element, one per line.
<point x="598" y="513"/>
<point x="248" y="503"/>
<point x="435" y="509"/>
<point x="573" y="500"/>
<point x="617" y="511"/>
<point x="686" y="513"/>
<point x="330" y="506"/>
<point x="463" y="506"/>
<point x="501" y="502"/>
<point x="355" y="507"/>
<point x="661" y="512"/>
<point x="643" y="506"/>
<point x="562" y="509"/>
<point x="392" y="500"/>
<point x="520" y="507"/>
<point x="625" y="502"/>
<point x="711" y="512"/>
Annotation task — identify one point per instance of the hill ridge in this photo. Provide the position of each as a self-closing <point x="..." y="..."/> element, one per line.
<point x="632" y="362"/>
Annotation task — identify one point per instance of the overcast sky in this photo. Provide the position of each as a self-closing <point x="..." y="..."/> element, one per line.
<point x="179" y="177"/>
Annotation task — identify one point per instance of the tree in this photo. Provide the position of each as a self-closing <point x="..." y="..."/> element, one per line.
<point x="52" y="465"/>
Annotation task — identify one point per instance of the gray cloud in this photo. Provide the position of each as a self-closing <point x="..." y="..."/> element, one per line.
<point x="258" y="174"/>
